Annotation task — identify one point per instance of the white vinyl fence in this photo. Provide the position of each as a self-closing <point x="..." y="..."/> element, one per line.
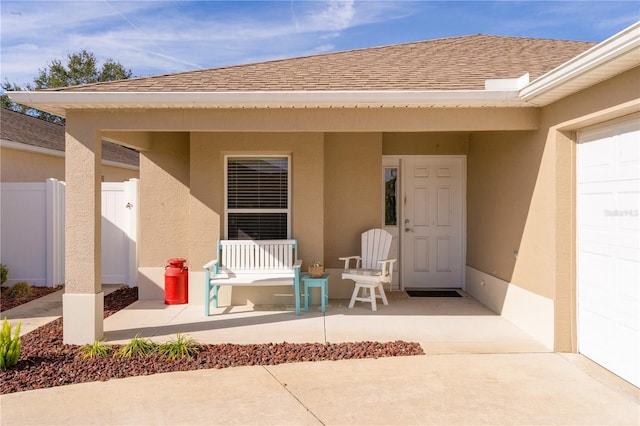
<point x="32" y="232"/>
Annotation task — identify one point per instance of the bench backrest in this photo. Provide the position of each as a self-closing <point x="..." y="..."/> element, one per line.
<point x="257" y="256"/>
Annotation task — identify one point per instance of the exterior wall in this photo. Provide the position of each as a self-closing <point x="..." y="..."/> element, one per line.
<point x="118" y="174"/>
<point x="608" y="100"/>
<point x="425" y="143"/>
<point x="208" y="152"/>
<point x="502" y="172"/>
<point x="353" y="200"/>
<point x="24" y="166"/>
<point x="521" y="198"/>
<point x="163" y="229"/>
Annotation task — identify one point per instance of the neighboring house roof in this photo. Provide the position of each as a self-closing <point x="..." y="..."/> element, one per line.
<point x="24" y="129"/>
<point x="456" y="63"/>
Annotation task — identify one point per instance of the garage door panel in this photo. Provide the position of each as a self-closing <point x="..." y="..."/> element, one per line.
<point x="595" y="267"/>
<point x="608" y="247"/>
<point x="592" y="206"/>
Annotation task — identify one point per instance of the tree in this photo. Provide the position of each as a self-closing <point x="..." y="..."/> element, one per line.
<point x="5" y="102"/>
<point x="80" y="68"/>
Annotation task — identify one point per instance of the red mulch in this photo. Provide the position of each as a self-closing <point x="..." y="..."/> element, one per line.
<point x="9" y="302"/>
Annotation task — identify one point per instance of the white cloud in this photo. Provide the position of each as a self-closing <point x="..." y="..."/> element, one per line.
<point x="333" y="16"/>
<point x="162" y="37"/>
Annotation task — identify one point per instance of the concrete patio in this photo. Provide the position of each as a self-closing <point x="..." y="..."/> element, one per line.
<point x="440" y="325"/>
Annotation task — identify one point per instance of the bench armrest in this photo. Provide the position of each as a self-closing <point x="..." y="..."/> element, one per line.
<point x="347" y="261"/>
<point x="210" y="265"/>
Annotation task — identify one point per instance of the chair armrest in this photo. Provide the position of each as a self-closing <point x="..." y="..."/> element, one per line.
<point x="386" y="266"/>
<point x="347" y="261"/>
<point x="298" y="263"/>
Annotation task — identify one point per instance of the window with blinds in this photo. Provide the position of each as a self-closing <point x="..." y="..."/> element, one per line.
<point x="257" y="198"/>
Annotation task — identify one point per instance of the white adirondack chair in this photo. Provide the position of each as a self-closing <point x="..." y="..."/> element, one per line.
<point x="372" y="268"/>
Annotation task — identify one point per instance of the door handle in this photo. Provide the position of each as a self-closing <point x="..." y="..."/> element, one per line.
<point x="408" y="229"/>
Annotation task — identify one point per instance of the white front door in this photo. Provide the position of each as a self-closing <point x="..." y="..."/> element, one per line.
<point x="433" y="222"/>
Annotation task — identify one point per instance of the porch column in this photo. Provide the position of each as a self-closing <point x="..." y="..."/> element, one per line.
<point x="83" y="299"/>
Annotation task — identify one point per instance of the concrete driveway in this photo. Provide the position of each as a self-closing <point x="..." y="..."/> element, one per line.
<point x="479" y="369"/>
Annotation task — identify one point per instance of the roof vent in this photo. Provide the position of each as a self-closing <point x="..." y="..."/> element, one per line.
<point x="507" y="83"/>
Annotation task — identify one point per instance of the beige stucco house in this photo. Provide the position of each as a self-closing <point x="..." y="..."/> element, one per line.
<point x="32" y="150"/>
<point x="475" y="141"/>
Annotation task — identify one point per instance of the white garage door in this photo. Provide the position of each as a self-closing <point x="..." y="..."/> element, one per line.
<point x="608" y="179"/>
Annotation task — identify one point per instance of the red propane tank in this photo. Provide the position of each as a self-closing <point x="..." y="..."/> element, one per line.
<point x="176" y="282"/>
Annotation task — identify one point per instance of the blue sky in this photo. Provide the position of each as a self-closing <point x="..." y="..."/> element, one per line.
<point x="160" y="37"/>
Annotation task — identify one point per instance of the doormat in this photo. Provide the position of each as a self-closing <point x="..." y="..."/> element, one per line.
<point x="433" y="293"/>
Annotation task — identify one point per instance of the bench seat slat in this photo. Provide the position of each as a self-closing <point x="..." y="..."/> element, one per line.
<point x="243" y="280"/>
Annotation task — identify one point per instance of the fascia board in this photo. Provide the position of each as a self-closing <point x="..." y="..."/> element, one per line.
<point x="19" y="146"/>
<point x="65" y="100"/>
<point x="622" y="48"/>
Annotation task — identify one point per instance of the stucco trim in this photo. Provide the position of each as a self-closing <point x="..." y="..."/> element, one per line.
<point x="532" y="313"/>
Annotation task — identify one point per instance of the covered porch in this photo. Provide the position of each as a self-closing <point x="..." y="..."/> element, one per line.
<point x="336" y="162"/>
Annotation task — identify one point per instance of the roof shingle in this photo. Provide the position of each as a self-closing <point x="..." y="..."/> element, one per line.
<point x="21" y="128"/>
<point x="456" y="63"/>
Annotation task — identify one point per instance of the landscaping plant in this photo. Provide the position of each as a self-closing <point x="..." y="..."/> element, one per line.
<point x="9" y="347"/>
<point x="97" y="349"/>
<point x="20" y="289"/>
<point x="3" y="273"/>
<point x="137" y="347"/>
<point x="180" y="347"/>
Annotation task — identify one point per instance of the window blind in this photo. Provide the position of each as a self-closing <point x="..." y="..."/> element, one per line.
<point x="257" y="197"/>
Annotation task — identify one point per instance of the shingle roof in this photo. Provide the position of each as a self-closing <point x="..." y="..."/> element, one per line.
<point x="456" y="63"/>
<point x="21" y="128"/>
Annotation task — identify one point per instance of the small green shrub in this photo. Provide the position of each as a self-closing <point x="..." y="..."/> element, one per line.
<point x="96" y="349"/>
<point x="9" y="347"/>
<point x="20" y="289"/>
<point x="4" y="272"/>
<point x="137" y="347"/>
<point x="180" y="347"/>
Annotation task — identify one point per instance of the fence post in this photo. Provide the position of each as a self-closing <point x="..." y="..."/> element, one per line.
<point x="131" y="195"/>
<point x="55" y="231"/>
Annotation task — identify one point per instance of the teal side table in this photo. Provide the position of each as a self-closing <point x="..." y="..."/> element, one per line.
<point x="321" y="282"/>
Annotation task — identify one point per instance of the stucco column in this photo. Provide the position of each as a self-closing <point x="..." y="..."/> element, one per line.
<point x="83" y="300"/>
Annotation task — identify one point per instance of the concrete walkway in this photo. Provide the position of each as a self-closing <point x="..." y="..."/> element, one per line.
<point x="479" y="369"/>
<point x="42" y="310"/>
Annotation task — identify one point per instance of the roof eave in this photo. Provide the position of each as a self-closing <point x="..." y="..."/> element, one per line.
<point x="59" y="103"/>
<point x="607" y="59"/>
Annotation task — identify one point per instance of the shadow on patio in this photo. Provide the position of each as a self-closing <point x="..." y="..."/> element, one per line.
<point x="440" y="325"/>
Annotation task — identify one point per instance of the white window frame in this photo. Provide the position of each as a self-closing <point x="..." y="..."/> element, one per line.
<point x="226" y="190"/>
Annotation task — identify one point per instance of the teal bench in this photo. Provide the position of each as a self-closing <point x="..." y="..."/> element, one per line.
<point x="253" y="263"/>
